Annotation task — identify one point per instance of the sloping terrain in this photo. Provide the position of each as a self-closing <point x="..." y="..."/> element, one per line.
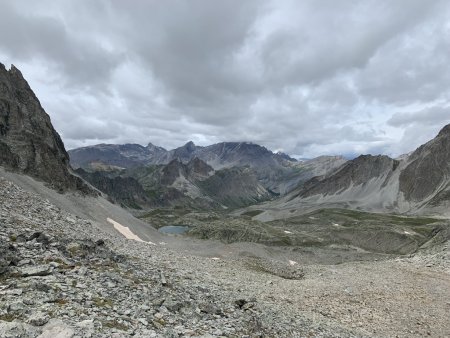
<point x="415" y="184"/>
<point x="64" y="275"/>
<point x="125" y="191"/>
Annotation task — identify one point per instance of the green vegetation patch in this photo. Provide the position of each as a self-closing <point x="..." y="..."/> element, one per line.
<point x="252" y="213"/>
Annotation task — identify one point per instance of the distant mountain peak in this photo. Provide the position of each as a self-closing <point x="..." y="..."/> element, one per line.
<point x="190" y="146"/>
<point x="151" y="146"/>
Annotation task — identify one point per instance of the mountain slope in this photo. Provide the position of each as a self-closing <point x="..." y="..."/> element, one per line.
<point x="123" y="190"/>
<point x="234" y="187"/>
<point x="196" y="184"/>
<point x="419" y="183"/>
<point x="28" y="142"/>
<point x="428" y="171"/>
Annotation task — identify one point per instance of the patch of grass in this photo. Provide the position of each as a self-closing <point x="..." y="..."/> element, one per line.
<point x="114" y="324"/>
<point x="424" y="231"/>
<point x="252" y="213"/>
<point x="131" y="204"/>
<point x="13" y="238"/>
<point x="9" y="317"/>
<point x="62" y="264"/>
<point x="414" y="221"/>
<point x="61" y="301"/>
<point x="102" y="302"/>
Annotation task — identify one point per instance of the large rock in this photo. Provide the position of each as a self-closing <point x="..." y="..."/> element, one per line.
<point x="8" y="256"/>
<point x="28" y="142"/>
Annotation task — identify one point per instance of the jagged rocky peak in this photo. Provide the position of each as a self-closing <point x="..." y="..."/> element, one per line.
<point x="185" y="153"/>
<point x="28" y="142"/>
<point x="172" y="171"/>
<point x="285" y="156"/>
<point x="199" y="167"/>
<point x="190" y="146"/>
<point x="152" y="148"/>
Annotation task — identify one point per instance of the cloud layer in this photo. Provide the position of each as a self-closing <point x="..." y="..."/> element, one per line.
<point x="309" y="78"/>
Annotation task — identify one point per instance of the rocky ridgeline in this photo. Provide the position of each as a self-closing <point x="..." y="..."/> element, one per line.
<point x="62" y="277"/>
<point x="28" y="141"/>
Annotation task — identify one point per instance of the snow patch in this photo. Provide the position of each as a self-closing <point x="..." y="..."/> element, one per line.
<point x="126" y="232"/>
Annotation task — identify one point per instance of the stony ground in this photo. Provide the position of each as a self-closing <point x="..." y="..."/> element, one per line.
<point x="60" y="276"/>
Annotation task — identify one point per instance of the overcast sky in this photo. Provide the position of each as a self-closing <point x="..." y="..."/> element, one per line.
<point x="308" y="77"/>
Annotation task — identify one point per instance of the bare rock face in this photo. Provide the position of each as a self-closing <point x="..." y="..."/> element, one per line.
<point x="28" y="141"/>
<point x="429" y="169"/>
<point x="235" y="187"/>
<point x="123" y="190"/>
<point x="354" y="172"/>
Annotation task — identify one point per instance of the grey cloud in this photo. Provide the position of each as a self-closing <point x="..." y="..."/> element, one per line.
<point x="79" y="60"/>
<point x="334" y="36"/>
<point x="435" y="116"/>
<point x="419" y="126"/>
<point x="310" y="77"/>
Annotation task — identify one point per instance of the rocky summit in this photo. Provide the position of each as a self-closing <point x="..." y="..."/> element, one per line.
<point x="28" y="142"/>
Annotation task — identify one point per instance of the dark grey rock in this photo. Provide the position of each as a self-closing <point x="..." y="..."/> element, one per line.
<point x="28" y="142"/>
<point x="38" y="319"/>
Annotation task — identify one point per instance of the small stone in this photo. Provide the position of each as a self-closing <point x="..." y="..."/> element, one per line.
<point x="218" y="333"/>
<point x="143" y="321"/>
<point x="209" y="308"/>
<point x="110" y="284"/>
<point x="37" y="270"/>
<point x="158" y="315"/>
<point x="240" y="303"/>
<point x="16" y="307"/>
<point x="54" y="265"/>
<point x="38" y="319"/>
<point x="87" y="326"/>
<point x="24" y="262"/>
<point x="14" y="292"/>
<point x="73" y="247"/>
<point x="57" y="328"/>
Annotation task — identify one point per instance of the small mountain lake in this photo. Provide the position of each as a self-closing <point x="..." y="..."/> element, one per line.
<point x="174" y="229"/>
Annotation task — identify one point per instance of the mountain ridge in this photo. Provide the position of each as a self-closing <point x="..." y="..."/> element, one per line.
<point x="276" y="172"/>
<point x="414" y="184"/>
<point x="28" y="141"/>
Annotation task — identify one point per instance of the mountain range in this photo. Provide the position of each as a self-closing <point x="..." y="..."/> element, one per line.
<point x="414" y="183"/>
<point x="223" y="175"/>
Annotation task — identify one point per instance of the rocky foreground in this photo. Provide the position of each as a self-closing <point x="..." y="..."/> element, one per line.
<point x="60" y="276"/>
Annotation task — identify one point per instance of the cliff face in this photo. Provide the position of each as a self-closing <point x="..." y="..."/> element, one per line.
<point x="125" y="191"/>
<point x="235" y="187"/>
<point x="28" y="142"/>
